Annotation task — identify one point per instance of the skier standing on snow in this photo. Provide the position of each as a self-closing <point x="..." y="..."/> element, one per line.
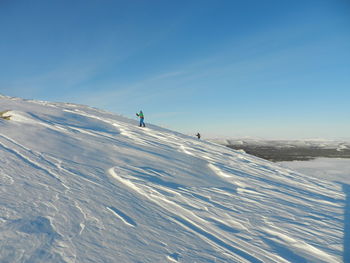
<point x="198" y="135"/>
<point x="142" y="117"/>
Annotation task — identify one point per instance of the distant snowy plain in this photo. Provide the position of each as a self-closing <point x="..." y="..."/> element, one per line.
<point x="78" y="184"/>
<point x="332" y="169"/>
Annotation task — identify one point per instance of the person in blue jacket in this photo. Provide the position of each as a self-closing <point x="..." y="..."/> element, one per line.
<point x="142" y="118"/>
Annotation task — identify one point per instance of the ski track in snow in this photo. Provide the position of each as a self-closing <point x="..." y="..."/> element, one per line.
<point x="150" y="195"/>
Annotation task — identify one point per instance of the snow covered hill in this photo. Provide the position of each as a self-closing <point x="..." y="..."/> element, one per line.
<point x="78" y="184"/>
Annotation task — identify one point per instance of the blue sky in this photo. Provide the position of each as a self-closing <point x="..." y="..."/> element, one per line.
<point x="226" y="68"/>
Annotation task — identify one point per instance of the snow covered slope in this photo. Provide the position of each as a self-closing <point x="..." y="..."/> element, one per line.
<point x="79" y="184"/>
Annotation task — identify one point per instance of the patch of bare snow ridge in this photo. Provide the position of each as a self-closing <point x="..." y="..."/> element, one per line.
<point x="79" y="184"/>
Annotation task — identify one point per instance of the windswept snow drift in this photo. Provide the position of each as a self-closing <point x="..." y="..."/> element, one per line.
<point x="79" y="184"/>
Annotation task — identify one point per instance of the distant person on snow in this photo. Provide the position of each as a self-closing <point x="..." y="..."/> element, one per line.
<point x="198" y="135"/>
<point x="142" y="118"/>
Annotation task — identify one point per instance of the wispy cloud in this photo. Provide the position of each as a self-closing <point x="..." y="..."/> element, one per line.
<point x="59" y="80"/>
<point x="137" y="91"/>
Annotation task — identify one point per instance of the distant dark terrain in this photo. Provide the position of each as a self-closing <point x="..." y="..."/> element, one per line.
<point x="278" y="151"/>
<point x="290" y="154"/>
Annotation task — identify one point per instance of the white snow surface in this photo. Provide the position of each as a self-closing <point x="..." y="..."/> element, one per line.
<point x="78" y="184"/>
<point x="332" y="169"/>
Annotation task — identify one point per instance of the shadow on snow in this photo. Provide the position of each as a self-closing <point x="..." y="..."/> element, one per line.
<point x="346" y="245"/>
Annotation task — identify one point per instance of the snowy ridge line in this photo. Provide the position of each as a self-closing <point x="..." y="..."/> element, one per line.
<point x="292" y="182"/>
<point x="249" y="191"/>
<point x="69" y="128"/>
<point x="66" y="129"/>
<point x="304" y="248"/>
<point x="273" y="194"/>
<point x="151" y="195"/>
<point x="105" y="120"/>
<point x="14" y="142"/>
<point x="122" y="216"/>
<point x="290" y="179"/>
